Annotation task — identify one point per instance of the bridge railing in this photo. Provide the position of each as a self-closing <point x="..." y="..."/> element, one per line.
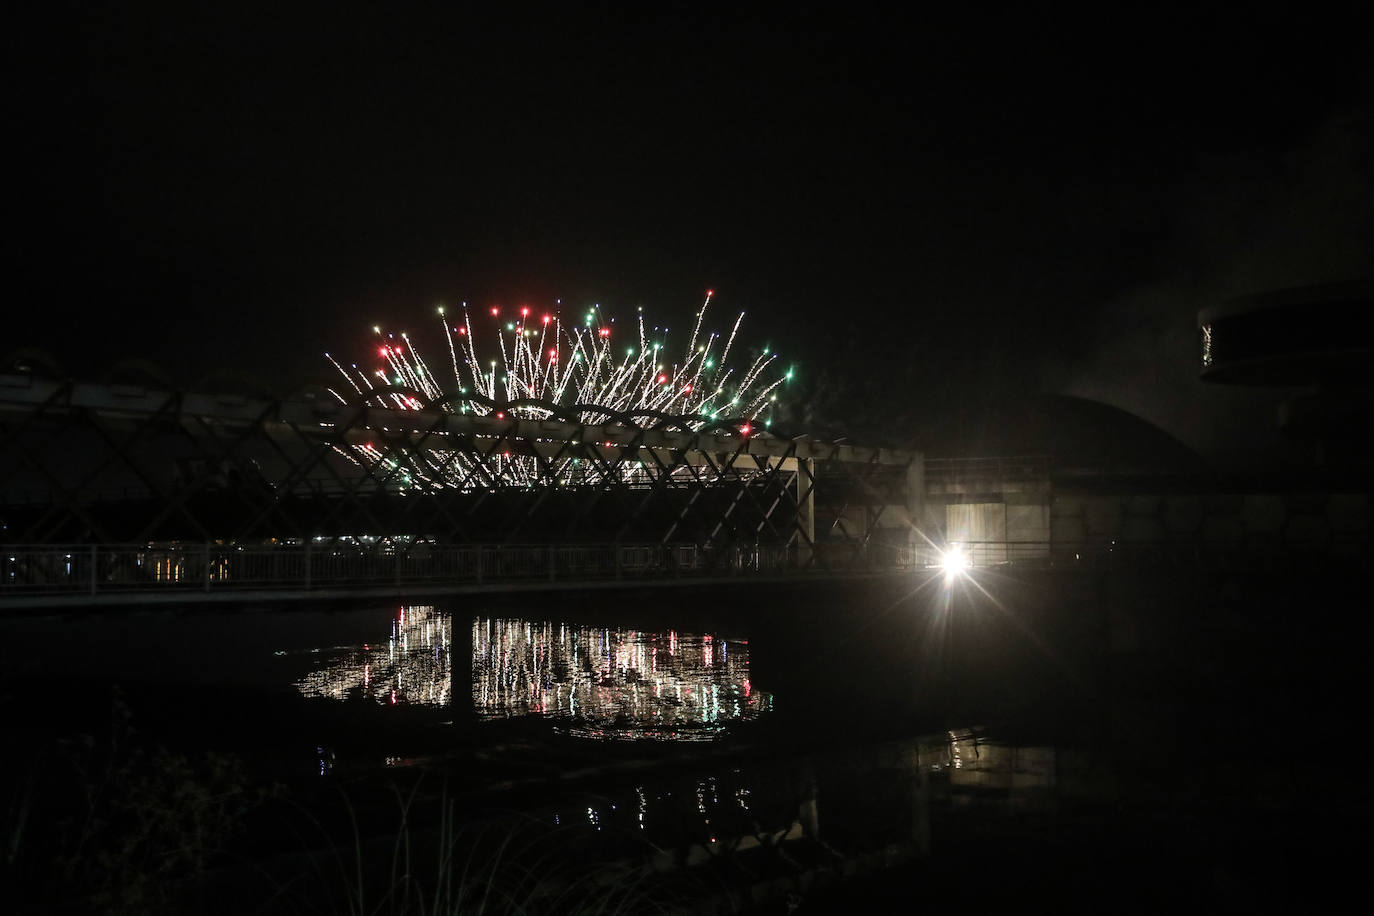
<point x="104" y="569"/>
<point x="1337" y="548"/>
<point x="140" y="568"/>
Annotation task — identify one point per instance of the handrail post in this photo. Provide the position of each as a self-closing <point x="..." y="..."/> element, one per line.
<point x="307" y="564"/>
<point x="207" y="566"/>
<point x="95" y="569"/>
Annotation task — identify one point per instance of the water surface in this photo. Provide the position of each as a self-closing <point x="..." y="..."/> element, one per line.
<point x="587" y="681"/>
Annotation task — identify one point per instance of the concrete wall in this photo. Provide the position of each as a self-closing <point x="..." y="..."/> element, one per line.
<point x="1334" y="522"/>
<point x="1042" y="520"/>
<point x="1027" y="507"/>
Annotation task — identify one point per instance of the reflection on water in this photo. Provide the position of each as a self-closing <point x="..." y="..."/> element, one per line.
<point x="972" y="761"/>
<point x="411" y="666"/>
<point x="613" y="683"/>
<point x="592" y="681"/>
<point x="850" y="799"/>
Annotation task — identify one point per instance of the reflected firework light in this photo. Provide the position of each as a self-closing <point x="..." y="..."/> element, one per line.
<point x="781" y="796"/>
<point x="613" y="683"/>
<point x="576" y="367"/>
<point x="592" y="681"/>
<point x="410" y="668"/>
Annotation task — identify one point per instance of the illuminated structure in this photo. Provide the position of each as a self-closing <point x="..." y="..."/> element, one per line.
<point x="124" y="465"/>
<point x="571" y="371"/>
<point x="563" y="460"/>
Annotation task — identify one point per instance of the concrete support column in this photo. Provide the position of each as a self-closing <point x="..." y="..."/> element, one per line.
<point x="920" y="807"/>
<point x="916" y="505"/>
<point x="460" y="671"/>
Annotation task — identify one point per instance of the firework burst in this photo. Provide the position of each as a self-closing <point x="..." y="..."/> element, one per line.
<point x="544" y="366"/>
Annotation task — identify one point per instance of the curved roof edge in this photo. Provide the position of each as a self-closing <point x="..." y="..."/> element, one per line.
<point x="1316" y="294"/>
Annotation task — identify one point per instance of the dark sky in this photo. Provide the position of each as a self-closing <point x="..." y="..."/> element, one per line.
<point x="919" y="207"/>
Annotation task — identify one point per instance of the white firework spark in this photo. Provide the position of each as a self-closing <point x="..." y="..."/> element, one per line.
<point x="546" y="367"/>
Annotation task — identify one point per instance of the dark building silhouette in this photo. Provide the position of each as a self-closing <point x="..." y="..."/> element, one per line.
<point x="1317" y="340"/>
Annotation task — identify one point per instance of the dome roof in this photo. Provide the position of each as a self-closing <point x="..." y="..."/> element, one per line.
<point x="1076" y="433"/>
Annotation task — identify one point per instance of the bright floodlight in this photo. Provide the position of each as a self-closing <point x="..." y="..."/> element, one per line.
<point x="954" y="561"/>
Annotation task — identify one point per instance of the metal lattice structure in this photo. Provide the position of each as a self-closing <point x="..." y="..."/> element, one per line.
<point x="130" y="464"/>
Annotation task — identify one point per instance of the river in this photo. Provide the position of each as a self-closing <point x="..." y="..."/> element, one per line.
<point x="802" y="746"/>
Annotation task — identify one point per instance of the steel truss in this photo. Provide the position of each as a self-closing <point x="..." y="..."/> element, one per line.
<point x="119" y="464"/>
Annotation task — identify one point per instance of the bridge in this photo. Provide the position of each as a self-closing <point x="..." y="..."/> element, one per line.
<point x="121" y="493"/>
<point x="114" y="491"/>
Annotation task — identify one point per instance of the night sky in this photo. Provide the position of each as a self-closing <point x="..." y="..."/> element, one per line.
<point x="923" y="211"/>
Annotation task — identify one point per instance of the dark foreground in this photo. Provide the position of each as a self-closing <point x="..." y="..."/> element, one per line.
<point x="1119" y="740"/>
